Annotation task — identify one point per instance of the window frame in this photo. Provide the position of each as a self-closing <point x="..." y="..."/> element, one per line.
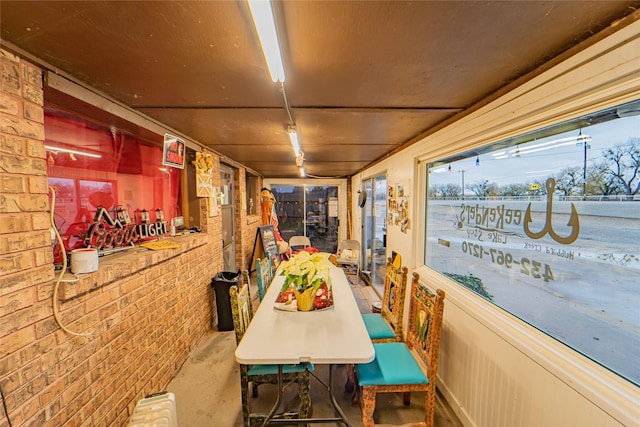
<point x="562" y="137"/>
<point x="592" y="380"/>
<point x="66" y="118"/>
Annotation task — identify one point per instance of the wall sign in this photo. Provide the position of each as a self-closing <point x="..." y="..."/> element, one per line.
<point x="173" y="151"/>
<point x="107" y="233"/>
<point x="265" y="245"/>
<point x="204" y="174"/>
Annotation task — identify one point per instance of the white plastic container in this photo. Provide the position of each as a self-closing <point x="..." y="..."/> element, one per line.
<point x="155" y="411"/>
<point x="84" y="260"/>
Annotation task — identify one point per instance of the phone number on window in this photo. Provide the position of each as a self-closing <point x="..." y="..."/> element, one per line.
<point x="528" y="267"/>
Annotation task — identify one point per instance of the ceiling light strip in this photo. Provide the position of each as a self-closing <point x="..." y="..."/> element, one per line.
<point x="265" y="24"/>
<point x="263" y="20"/>
<point x="67" y="150"/>
<point x="293" y="135"/>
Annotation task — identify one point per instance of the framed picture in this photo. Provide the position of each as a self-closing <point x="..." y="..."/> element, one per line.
<point x="214" y="202"/>
<point x="204" y="174"/>
<point x="173" y="153"/>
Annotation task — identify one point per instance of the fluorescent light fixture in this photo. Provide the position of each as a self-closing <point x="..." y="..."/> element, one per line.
<point x="302" y="173"/>
<point x="439" y="170"/>
<point x="543" y="144"/>
<point x="265" y="24"/>
<point x="66" y="150"/>
<point x="553" y="144"/>
<point x="293" y="135"/>
<point x="529" y="151"/>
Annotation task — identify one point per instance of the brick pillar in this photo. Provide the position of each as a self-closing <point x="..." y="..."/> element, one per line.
<point x="26" y="258"/>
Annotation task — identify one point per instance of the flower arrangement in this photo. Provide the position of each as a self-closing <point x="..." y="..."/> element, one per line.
<point x="307" y="278"/>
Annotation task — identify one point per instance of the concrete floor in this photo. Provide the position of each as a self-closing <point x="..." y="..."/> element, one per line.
<point x="207" y="387"/>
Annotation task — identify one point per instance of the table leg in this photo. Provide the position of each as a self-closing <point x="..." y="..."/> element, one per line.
<point x="333" y="398"/>
<point x="278" y="400"/>
<point x="341" y="419"/>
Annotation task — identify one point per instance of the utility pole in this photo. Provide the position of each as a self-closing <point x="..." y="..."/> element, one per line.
<point x="462" y="172"/>
<point x="584" y="173"/>
<point x="584" y="140"/>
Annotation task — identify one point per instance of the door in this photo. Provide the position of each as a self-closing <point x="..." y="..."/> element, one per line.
<point x="309" y="210"/>
<point x="227" y="213"/>
<point x="374" y="230"/>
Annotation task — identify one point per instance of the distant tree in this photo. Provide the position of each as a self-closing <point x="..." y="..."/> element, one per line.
<point x="485" y="188"/>
<point x="444" y="190"/>
<point x="493" y="190"/>
<point x="600" y="182"/>
<point x="568" y="181"/>
<point x="450" y="190"/>
<point x="514" y="190"/>
<point x="479" y="188"/>
<point x="624" y="166"/>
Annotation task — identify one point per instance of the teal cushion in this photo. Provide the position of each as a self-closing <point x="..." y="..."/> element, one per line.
<point x="273" y="369"/>
<point x="377" y="327"/>
<point x="393" y="365"/>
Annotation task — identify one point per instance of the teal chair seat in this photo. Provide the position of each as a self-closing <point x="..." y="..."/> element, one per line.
<point x="273" y="369"/>
<point x="393" y="365"/>
<point x="410" y="365"/>
<point x="377" y="327"/>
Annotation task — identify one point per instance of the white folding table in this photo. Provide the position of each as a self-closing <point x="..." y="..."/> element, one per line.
<point x="332" y="336"/>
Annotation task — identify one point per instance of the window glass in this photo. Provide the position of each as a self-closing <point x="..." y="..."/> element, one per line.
<point x="252" y="194"/>
<point x="547" y="227"/>
<point x="91" y="166"/>
<point x="308" y="210"/>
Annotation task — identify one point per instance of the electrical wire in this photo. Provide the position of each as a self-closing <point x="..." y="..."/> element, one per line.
<point x="76" y="278"/>
<point x="286" y="105"/>
<point x="56" y="315"/>
<point x="327" y="177"/>
<point x="4" y="405"/>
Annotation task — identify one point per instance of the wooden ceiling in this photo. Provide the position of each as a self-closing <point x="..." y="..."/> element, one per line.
<point x="363" y="78"/>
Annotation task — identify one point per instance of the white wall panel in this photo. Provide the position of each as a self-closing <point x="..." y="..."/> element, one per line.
<point x="494" y="369"/>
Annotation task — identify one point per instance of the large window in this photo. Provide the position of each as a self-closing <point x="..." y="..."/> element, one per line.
<point x="252" y="194"/>
<point x="90" y="166"/>
<point x="547" y="227"/>
<point x="308" y="210"/>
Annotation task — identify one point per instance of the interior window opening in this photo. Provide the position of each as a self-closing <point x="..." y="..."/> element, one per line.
<point x="98" y="171"/>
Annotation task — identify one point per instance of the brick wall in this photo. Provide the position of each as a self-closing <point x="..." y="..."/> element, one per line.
<point x="144" y="316"/>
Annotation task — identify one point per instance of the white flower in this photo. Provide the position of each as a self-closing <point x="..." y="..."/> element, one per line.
<point x="315" y="268"/>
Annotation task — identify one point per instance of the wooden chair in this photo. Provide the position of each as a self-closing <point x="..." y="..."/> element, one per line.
<point x="348" y="254"/>
<point x="386" y="326"/>
<point x="263" y="374"/>
<point x="264" y="275"/>
<point x="407" y="366"/>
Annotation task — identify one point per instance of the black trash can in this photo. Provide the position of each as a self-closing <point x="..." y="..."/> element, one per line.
<point x="221" y="283"/>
